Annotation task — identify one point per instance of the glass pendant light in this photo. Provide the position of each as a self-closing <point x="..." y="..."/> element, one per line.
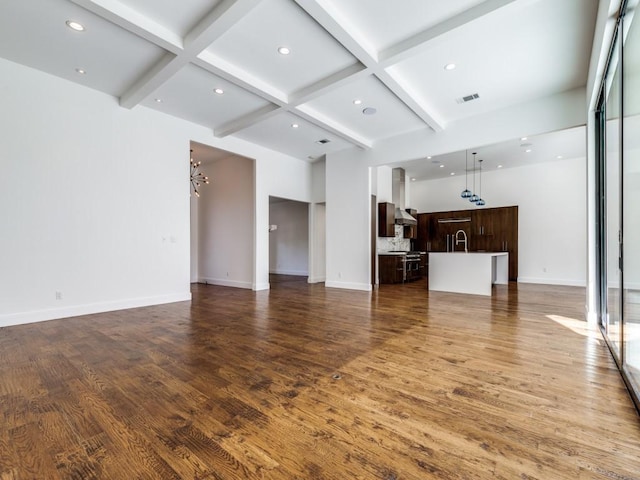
<point x="466" y="193"/>
<point x="474" y="198"/>
<point x="480" y="202"/>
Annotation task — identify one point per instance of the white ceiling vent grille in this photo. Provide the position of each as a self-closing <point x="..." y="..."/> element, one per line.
<point x="468" y="98"/>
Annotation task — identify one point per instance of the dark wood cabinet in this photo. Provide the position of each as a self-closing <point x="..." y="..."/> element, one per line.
<point x="386" y="219"/>
<point x="411" y="231"/>
<point x="391" y="268"/>
<point x="422" y="235"/>
<point x="487" y="230"/>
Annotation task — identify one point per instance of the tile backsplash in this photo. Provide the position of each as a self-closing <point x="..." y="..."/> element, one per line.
<point x="386" y="244"/>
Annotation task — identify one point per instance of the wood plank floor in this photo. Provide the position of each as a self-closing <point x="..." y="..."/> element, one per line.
<point x="240" y="385"/>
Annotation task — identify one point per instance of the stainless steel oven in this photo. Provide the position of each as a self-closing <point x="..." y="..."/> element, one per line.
<point x="411" y="266"/>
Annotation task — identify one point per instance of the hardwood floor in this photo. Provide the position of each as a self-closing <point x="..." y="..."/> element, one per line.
<point x="304" y="382"/>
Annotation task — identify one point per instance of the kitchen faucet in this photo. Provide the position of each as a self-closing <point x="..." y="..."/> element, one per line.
<point x="462" y="240"/>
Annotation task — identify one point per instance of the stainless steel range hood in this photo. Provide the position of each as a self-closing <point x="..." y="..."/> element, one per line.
<point x="398" y="197"/>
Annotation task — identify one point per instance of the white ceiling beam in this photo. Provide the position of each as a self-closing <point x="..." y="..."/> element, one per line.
<point x="133" y="21"/>
<point x="331" y="126"/>
<point x="401" y="91"/>
<point x="246" y="121"/>
<point x="233" y="74"/>
<point x="330" y="20"/>
<point x="214" y="25"/>
<point x="413" y="45"/>
<point x="343" y="77"/>
<point x="321" y="12"/>
<point x="293" y="106"/>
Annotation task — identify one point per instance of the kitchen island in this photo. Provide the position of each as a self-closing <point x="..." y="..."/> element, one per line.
<point x="473" y="272"/>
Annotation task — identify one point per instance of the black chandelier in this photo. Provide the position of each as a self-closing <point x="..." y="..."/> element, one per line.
<point x="197" y="177"/>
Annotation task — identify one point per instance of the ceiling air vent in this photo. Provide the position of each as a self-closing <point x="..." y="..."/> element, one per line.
<point x="468" y="98"/>
<point x="323" y="141"/>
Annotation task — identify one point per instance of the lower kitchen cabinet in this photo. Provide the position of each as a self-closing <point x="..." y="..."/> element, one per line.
<point x="401" y="268"/>
<point x="391" y="268"/>
<point x="424" y="265"/>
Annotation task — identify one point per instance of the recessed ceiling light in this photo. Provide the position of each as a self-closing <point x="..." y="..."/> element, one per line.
<point x="294" y="125"/>
<point x="75" y="26"/>
<point x="158" y="100"/>
<point x="81" y="71"/>
<point x="219" y="91"/>
<point x="528" y="150"/>
<point x="499" y="166"/>
<point x="441" y="165"/>
<point x="284" y="51"/>
<point x="523" y="138"/>
<point x="369" y="111"/>
<point x="357" y="102"/>
<point x="452" y="173"/>
<point x="450" y="66"/>
<point x="413" y="179"/>
<point x="559" y="157"/>
<point x="428" y="158"/>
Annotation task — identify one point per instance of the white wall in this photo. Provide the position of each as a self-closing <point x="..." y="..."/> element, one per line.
<point x="551" y="214"/>
<point x="384" y="179"/>
<point x="94" y="201"/>
<point x="348" y="226"/>
<point x="289" y="244"/>
<point x="318" y="245"/>
<point x="193" y="219"/>
<point x="225" y="223"/>
<point x="318" y="181"/>
<point x="276" y="176"/>
<point x="317" y="223"/>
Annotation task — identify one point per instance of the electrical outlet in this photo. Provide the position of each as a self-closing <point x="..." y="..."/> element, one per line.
<point x="58" y="295"/>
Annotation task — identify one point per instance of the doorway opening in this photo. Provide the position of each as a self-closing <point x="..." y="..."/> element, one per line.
<point x="288" y="241"/>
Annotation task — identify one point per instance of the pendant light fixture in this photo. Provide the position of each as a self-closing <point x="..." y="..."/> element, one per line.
<point x="480" y="202"/>
<point x="466" y="193"/>
<point x="474" y="198"/>
<point x="197" y="176"/>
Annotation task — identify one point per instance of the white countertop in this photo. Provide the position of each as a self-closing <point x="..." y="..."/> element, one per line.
<point x="399" y="253"/>
<point x="491" y="254"/>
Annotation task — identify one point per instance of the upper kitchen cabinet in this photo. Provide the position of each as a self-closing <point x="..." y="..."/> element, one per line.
<point x="386" y="219"/>
<point x="496" y="230"/>
<point x="422" y="235"/>
<point x="486" y="230"/>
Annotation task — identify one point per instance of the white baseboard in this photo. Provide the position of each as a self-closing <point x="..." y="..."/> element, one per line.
<point x="88" y="309"/>
<point x="316" y="279"/>
<point x="553" y="281"/>
<point x="225" y="282"/>
<point x="260" y="286"/>
<point x="366" y="287"/>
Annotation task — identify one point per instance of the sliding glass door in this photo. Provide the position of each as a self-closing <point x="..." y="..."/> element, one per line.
<point x="618" y="186"/>
<point x="631" y="201"/>
<point x="611" y="317"/>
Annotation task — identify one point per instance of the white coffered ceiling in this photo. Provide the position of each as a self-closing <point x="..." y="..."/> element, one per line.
<point x="171" y="56"/>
